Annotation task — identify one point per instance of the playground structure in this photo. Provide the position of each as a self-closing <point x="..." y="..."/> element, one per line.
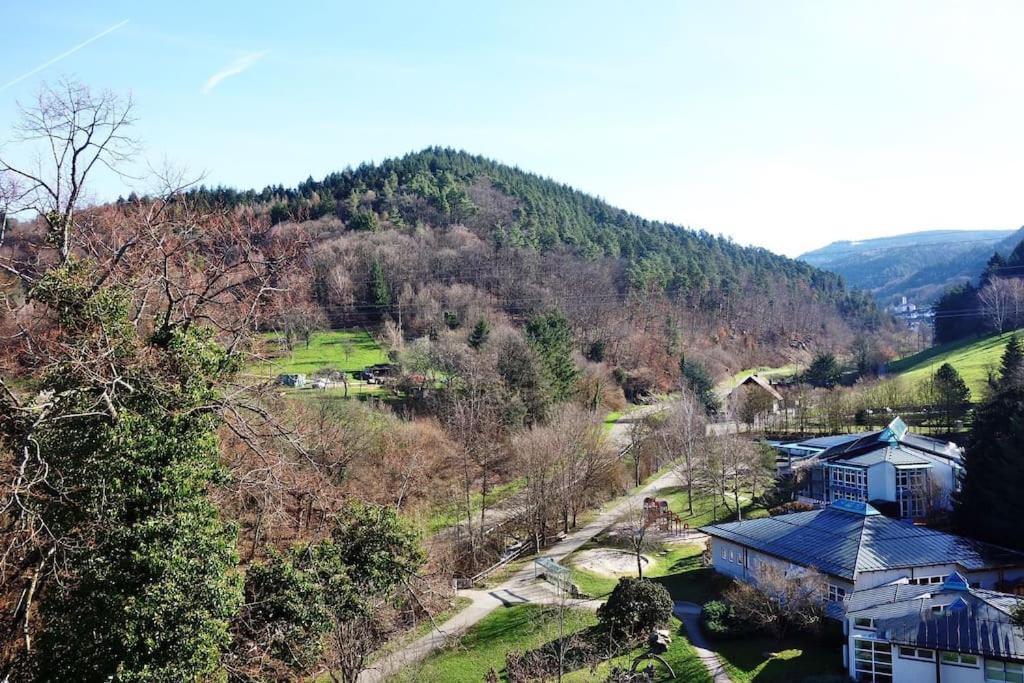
<point x="658" y="515"/>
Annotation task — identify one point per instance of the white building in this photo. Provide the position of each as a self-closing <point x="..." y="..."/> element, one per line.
<point x="856" y="548"/>
<point x="909" y="473"/>
<point x="948" y="633"/>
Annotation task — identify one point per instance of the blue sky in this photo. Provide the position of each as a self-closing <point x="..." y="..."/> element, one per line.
<point x="782" y="124"/>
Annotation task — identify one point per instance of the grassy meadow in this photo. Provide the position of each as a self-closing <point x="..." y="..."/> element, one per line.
<point x="972" y="358"/>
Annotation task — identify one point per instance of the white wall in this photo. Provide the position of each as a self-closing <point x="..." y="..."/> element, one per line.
<point x="911" y="670"/>
<point x="882" y="482"/>
<point x="988" y="578"/>
<point x="962" y="674"/>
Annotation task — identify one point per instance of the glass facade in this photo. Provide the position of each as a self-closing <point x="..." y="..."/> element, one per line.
<point x="872" y="661"/>
<point x="912" y="492"/>
<point x="847" y="483"/>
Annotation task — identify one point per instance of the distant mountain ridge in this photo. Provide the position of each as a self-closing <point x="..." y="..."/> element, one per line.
<point x="918" y="265"/>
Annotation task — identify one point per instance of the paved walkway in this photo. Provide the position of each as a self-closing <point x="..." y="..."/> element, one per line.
<point x="689" y="614"/>
<point x="522" y="587"/>
<point x="519" y="588"/>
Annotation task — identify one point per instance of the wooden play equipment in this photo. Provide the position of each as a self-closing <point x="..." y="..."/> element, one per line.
<point x="658" y="515"/>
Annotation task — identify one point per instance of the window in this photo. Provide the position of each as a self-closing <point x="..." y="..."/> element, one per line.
<point x="959" y="658"/>
<point x="836" y="593"/>
<point x="912" y="492"/>
<point x="864" y="622"/>
<point x="848" y="483"/>
<point x="872" y="661"/>
<point x="926" y="580"/>
<point x="917" y="653"/>
<point x="732" y="555"/>
<point x="1004" y="672"/>
<point x="723" y="553"/>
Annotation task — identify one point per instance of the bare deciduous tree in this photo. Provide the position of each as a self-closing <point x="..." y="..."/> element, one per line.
<point x="779" y="601"/>
<point x="684" y="436"/>
<point x="80" y="130"/>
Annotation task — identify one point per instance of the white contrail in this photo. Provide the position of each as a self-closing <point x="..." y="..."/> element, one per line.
<point x="233" y="69"/>
<point x="62" y="55"/>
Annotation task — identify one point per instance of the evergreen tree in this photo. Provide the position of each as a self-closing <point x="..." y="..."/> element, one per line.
<point x="481" y="332"/>
<point x="824" y="371"/>
<point x="989" y="505"/>
<point x="952" y="394"/>
<point x="994" y="268"/>
<point x="551" y="337"/>
<point x="379" y="290"/>
<point x="957" y="314"/>
<point x="696" y="378"/>
<point x="1012" y="365"/>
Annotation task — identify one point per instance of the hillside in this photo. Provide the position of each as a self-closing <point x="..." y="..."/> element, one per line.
<point x="918" y="265"/>
<point x="440" y="217"/>
<point x="972" y="358"/>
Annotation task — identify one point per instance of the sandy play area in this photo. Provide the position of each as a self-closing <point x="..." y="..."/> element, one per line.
<point x="609" y="561"/>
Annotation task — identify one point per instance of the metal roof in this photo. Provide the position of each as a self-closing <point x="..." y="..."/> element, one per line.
<point x="844" y="543"/>
<point x="952" y="617"/>
<point x="897" y="455"/>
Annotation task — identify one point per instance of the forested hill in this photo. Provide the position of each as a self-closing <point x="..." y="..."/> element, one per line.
<point x="919" y="265"/>
<point x="515" y="208"/>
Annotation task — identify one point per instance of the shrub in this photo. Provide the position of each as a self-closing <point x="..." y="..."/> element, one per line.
<point x="791" y="506"/>
<point x="635" y="606"/>
<point x="719" y="621"/>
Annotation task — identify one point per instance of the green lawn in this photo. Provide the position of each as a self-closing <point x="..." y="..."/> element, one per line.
<point x="972" y="358"/>
<point x="704" y="510"/>
<point x="524" y="627"/>
<point x="764" y="660"/>
<point x="484" y="646"/>
<point x="346" y="350"/>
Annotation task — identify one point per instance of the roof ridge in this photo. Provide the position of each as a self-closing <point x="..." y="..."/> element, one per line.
<point x="860" y="548"/>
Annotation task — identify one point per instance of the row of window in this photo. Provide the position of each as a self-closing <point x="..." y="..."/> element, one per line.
<point x="911" y="490"/>
<point x="872" y="662"/>
<point x="848" y="483"/>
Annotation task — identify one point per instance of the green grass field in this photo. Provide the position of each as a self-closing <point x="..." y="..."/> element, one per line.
<point x="763" y="660"/>
<point x="972" y="358"/>
<point x="524" y="627"/>
<point x="346" y="350"/>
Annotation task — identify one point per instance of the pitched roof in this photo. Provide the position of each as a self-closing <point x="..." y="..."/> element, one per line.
<point x="952" y="617"/>
<point x="847" y="539"/>
<point x="763" y="383"/>
<point x="894" y="444"/>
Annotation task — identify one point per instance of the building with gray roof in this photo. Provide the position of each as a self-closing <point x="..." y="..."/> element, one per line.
<point x="949" y="632"/>
<point x="909" y="474"/>
<point x="855" y="548"/>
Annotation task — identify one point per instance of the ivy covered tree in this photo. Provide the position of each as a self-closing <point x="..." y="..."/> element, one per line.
<point x="112" y="400"/>
<point x="151" y="582"/>
<point x="550" y="336"/>
<point x="320" y="602"/>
